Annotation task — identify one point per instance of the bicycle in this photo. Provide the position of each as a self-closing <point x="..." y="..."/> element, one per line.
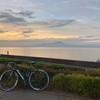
<point x="37" y="79"/>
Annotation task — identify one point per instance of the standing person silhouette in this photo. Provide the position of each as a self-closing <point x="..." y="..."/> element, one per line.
<point x="7" y="52"/>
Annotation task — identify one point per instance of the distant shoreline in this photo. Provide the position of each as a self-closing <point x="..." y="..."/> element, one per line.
<point x="53" y="47"/>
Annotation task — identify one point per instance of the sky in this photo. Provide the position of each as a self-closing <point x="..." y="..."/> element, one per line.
<point x="69" y="21"/>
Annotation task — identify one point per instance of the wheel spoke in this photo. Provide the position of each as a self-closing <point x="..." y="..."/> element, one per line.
<point x="39" y="80"/>
<point x="8" y="80"/>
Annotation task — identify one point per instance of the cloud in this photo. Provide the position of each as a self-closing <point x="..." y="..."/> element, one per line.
<point x="2" y="31"/>
<point x="12" y="19"/>
<point x="60" y="23"/>
<point x="55" y="22"/>
<point x="6" y="17"/>
<point x="23" y="13"/>
<point x="27" y="33"/>
<point x="26" y="17"/>
<point x="90" y="4"/>
<point x="26" y="14"/>
<point x="94" y="8"/>
<point x="10" y="16"/>
<point x="90" y="37"/>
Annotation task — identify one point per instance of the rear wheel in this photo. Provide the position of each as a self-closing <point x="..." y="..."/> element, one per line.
<point x="8" y="80"/>
<point x="39" y="80"/>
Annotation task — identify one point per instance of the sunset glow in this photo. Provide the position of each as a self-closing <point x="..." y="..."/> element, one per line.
<point x="75" y="21"/>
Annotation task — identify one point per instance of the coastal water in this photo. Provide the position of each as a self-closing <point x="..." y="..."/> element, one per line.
<point x="84" y="54"/>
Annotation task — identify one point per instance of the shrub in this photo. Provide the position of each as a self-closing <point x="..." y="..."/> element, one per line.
<point x="84" y="85"/>
<point x="59" y="81"/>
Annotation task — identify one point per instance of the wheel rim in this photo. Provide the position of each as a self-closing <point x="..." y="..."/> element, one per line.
<point x="8" y="80"/>
<point x="39" y="80"/>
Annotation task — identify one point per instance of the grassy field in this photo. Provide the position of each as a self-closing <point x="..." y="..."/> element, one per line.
<point x="79" y="80"/>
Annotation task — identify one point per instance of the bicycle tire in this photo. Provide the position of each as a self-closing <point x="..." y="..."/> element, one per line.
<point x="39" y="80"/>
<point x="7" y="78"/>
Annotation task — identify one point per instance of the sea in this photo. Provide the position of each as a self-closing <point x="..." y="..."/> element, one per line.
<point x="82" y="54"/>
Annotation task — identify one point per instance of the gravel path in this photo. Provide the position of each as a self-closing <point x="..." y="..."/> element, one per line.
<point x="26" y="94"/>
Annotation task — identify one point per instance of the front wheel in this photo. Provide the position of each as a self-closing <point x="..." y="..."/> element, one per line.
<point x="39" y="80"/>
<point x="8" y="80"/>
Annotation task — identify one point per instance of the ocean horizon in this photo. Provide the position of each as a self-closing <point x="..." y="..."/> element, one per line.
<point x="83" y="54"/>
